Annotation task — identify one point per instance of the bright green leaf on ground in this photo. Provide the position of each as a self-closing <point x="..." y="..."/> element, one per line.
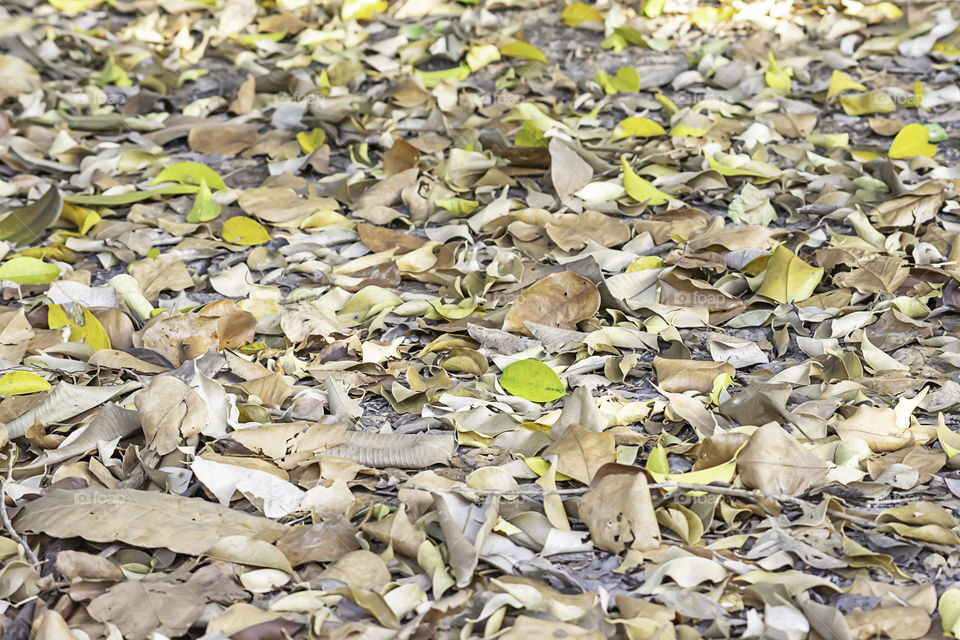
<point x="936" y="132"/>
<point x="204" y="208"/>
<point x="24" y="270"/>
<point x="243" y="230"/>
<point x="579" y="12"/>
<point x="627" y="80"/>
<point x="788" y="278"/>
<point x="532" y="380"/>
<point x="526" y="51"/>
<point x="190" y="173"/>
<point x="638" y="127"/>
<point x="840" y="82"/>
<point x="129" y="197"/>
<point x="18" y="383"/>
<point x="311" y="141"/>
<point x="653" y="8"/>
<point x="112" y="75"/>
<point x="912" y="141"/>
<point x="529" y="136"/>
<point x="639" y="189"/>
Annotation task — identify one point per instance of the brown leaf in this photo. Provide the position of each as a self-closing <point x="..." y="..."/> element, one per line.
<point x="559" y="300"/>
<point x="581" y="452"/>
<point x="620" y="514"/>
<point x="775" y="463"/>
<point x="169" y="411"/>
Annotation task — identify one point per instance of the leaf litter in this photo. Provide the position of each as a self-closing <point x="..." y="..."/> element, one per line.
<point x="416" y="319"/>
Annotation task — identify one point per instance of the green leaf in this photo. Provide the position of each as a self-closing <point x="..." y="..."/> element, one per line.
<point x="204" y="208"/>
<point x="949" y="610"/>
<point x="579" y="12"/>
<point x="532" y="380"/>
<point x="310" y="142"/>
<point x="936" y="133"/>
<point x="456" y="75"/>
<point x="24" y="270"/>
<point x="190" y="173"/>
<point x="18" y="383"/>
<point x="241" y="230"/>
<point x="27" y="224"/>
<point x="788" y="278"/>
<point x="639" y="189"/>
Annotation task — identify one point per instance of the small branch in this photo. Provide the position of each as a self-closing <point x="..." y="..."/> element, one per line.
<point x="8" y="525"/>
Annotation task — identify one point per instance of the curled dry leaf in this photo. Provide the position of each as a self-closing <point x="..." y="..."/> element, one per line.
<point x="620" y="514"/>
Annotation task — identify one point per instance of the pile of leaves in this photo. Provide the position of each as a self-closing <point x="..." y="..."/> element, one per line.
<point x="433" y="319"/>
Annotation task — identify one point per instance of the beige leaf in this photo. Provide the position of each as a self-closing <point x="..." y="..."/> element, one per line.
<point x="141" y="518"/>
<point x="775" y="463"/>
<point x="568" y="171"/>
<point x="581" y="452"/>
<point x="163" y="273"/>
<point x="677" y="375"/>
<point x="572" y="231"/>
<point x="877" y="426"/>
<point x="559" y="300"/>
<point x="620" y="514"/>
<point x="170" y="410"/>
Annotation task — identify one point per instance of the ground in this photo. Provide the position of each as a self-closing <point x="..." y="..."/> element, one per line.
<point x="419" y="319"/>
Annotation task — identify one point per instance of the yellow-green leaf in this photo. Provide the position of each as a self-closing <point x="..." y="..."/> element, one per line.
<point x="639" y="189"/>
<point x="459" y="206"/>
<point x="190" y="173"/>
<point x="312" y="141"/>
<point x="867" y="103"/>
<point x="243" y="230"/>
<point x="204" y="208"/>
<point x="480" y="56"/>
<point x="532" y="380"/>
<point x="524" y="50"/>
<point x="18" y="383"/>
<point x="24" y="270"/>
<point x="579" y="12"/>
<point x="27" y="224"/>
<point x="686" y="131"/>
<point x="788" y="278"/>
<point x="912" y="141"/>
<point x="949" y="610"/>
<point x="432" y="78"/>
<point x="638" y="127"/>
<point x="777" y="78"/>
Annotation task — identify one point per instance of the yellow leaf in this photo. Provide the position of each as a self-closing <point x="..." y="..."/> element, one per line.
<point x="873" y="102"/>
<point x="432" y="78"/>
<point x="242" y="230"/>
<point x="639" y="189"/>
<point x="830" y="140"/>
<point x="667" y="104"/>
<point x="74" y="6"/>
<point x="520" y="49"/>
<point x="840" y="82"/>
<point x="361" y="9"/>
<point x="912" y="141"/>
<point x="312" y="141"/>
<point x="579" y="12"/>
<point x="777" y="78"/>
<point x="788" y="278"/>
<point x="540" y="466"/>
<point x="18" y="383"/>
<point x="638" y="127"/>
<point x="481" y="56"/>
<point x="686" y="131"/>
<point x="645" y="262"/>
<point x="83" y="219"/>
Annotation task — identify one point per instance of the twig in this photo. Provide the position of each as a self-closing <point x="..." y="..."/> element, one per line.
<point x="746" y="494"/>
<point x="8" y="525"/>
